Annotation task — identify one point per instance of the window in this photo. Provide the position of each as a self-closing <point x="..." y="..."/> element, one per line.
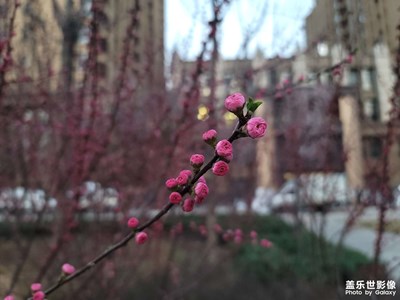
<point x="366" y="80"/>
<point x="3" y="11"/>
<point x="274" y="77"/>
<point x="375" y="109"/>
<point x="353" y="78"/>
<point x="103" y="44"/>
<point x="371" y="109"/>
<point x="376" y="147"/>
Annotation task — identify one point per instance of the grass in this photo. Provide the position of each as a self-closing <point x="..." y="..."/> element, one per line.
<point x="297" y="253"/>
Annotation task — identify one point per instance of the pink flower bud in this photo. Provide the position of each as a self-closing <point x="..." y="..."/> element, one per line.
<point x="197" y="160"/>
<point x="182" y="179"/>
<point x="235" y="102"/>
<point x="210" y="136"/>
<point x="224" y="148"/>
<point x="203" y="230"/>
<point x="198" y="200"/>
<point x="36" y="287"/>
<point x="141" y="238"/>
<point x="226" y="237"/>
<point x="220" y="168"/>
<point x="201" y="190"/>
<point x="228" y="158"/>
<point x="202" y="179"/>
<point x="253" y="234"/>
<point x="9" y="297"/>
<point x="175" y="197"/>
<point x="265" y="243"/>
<point x="256" y="127"/>
<point x="188" y="205"/>
<point x="133" y="222"/>
<point x="68" y="269"/>
<point x="171" y="183"/>
<point x="349" y="59"/>
<point x="217" y="228"/>
<point x="39" y="295"/>
<point x="239" y="232"/>
<point x="238" y="239"/>
<point x="188" y="173"/>
<point x="301" y="78"/>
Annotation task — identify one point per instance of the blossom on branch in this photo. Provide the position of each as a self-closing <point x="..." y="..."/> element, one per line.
<point x="133" y="223"/>
<point x="38" y="295"/>
<point x="256" y="127"/>
<point x="171" y="183"/>
<point x="224" y="148"/>
<point x="197" y="160"/>
<point x="220" y="168"/>
<point x="187" y="173"/>
<point x="235" y="102"/>
<point x="141" y="238"/>
<point x="201" y="190"/>
<point x="182" y="179"/>
<point x="68" y="269"/>
<point x="175" y="198"/>
<point x="36" y="287"/>
<point x="210" y="136"/>
<point x="188" y="205"/>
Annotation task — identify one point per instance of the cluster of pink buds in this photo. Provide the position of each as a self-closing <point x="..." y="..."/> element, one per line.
<point x="190" y="181"/>
<point x="37" y="293"/>
<point x="255" y="128"/>
<point x="238" y="237"/>
<point x="140" y="237"/>
<point x="184" y="176"/>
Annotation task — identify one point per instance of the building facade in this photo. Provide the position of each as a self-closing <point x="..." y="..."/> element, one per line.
<point x="52" y="38"/>
<point x="335" y="29"/>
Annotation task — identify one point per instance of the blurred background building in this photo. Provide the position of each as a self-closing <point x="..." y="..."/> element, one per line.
<point x="50" y="35"/>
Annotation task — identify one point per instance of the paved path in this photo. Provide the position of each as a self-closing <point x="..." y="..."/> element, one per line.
<point x="360" y="238"/>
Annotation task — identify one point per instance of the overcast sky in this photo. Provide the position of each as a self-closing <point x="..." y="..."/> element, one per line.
<point x="279" y="26"/>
